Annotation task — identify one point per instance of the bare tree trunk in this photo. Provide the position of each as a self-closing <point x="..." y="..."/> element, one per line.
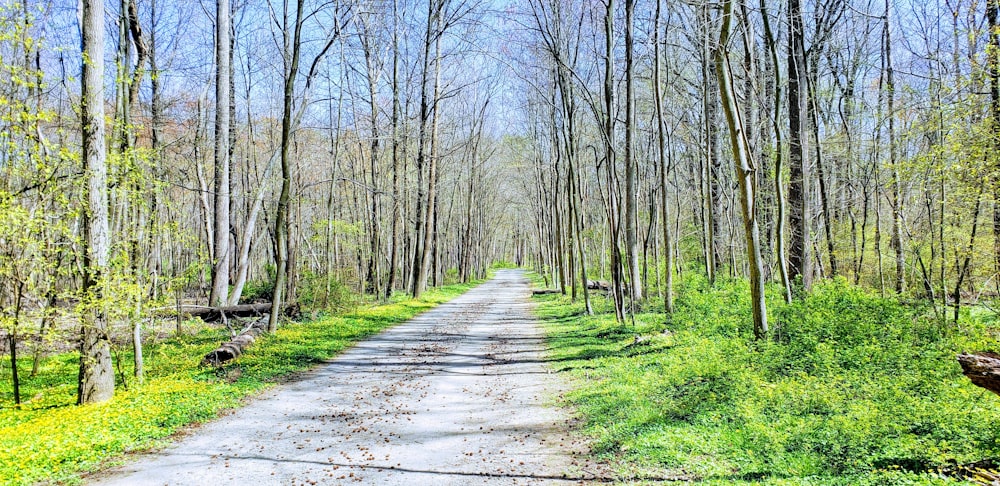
<point x="427" y="249"/>
<point x="897" y="209"/>
<point x="96" y="378"/>
<point x="779" y="192"/>
<point x="799" y="254"/>
<point x="631" y="192"/>
<point x="291" y="54"/>
<point x="614" y="220"/>
<point x="374" y="243"/>
<point x="156" y="143"/>
<point x="221" y="227"/>
<point x="423" y="210"/>
<point x="668" y="293"/>
<point x="396" y="190"/>
<point x="746" y="174"/>
<point x="828" y="217"/>
<point x="711" y="169"/>
<point x="993" y="62"/>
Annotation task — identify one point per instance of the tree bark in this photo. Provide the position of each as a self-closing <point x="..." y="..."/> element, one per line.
<point x="221" y="225"/>
<point x="779" y="192"/>
<point x="993" y="64"/>
<point x="982" y="368"/>
<point x="746" y="174"/>
<point x="214" y="314"/>
<point x="614" y="220"/>
<point x="235" y="347"/>
<point x="668" y="293"/>
<point x="897" y="202"/>
<point x="282" y="230"/>
<point x="631" y="192"/>
<point x="423" y="210"/>
<point x="396" y="190"/>
<point x="799" y="252"/>
<point x="96" y="381"/>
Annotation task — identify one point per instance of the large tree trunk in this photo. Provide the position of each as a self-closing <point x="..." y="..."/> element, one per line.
<point x="96" y="377"/>
<point x="993" y="61"/>
<point x="220" y="228"/>
<point x="711" y="166"/>
<point x="372" y="274"/>
<point x="431" y="220"/>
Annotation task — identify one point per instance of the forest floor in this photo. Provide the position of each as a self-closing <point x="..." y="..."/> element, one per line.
<point x="461" y="394"/>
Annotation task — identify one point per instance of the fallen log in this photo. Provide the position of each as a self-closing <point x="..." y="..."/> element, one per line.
<point x="983" y="369"/>
<point x="544" y="292"/>
<point x="233" y="348"/>
<point x="599" y="285"/>
<point x="214" y="314"/>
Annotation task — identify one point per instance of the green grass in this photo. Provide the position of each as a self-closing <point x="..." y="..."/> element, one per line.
<point x="851" y="388"/>
<point x="51" y="440"/>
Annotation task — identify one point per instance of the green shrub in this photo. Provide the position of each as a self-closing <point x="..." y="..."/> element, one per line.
<point x="327" y="293"/>
<point x="851" y="388"/>
<point x="255" y="290"/>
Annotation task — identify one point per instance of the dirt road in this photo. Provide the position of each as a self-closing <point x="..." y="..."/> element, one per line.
<point x="458" y="395"/>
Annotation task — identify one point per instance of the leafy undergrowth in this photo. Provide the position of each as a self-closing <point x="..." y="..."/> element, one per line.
<point x="51" y="440"/>
<point x="850" y="389"/>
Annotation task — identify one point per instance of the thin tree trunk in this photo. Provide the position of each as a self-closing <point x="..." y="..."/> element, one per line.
<point x="746" y="174"/>
<point x="897" y="202"/>
<point x="396" y="191"/>
<point x="799" y="254"/>
<point x="427" y="249"/>
<point x="668" y="293"/>
<point x="779" y="192"/>
<point x="282" y="218"/>
<point x="614" y="222"/>
<point x="422" y="212"/>
<point x="631" y="192"/>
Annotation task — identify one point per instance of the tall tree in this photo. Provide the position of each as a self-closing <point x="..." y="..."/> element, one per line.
<point x="425" y="146"/>
<point x="746" y="172"/>
<point x="396" y="169"/>
<point x="993" y="64"/>
<point x="291" y="53"/>
<point x="799" y="251"/>
<point x="608" y="136"/>
<point x="631" y="192"/>
<point x="664" y="167"/>
<point x="96" y="378"/>
<point x="889" y="85"/>
<point x="221" y="224"/>
<point x="779" y="192"/>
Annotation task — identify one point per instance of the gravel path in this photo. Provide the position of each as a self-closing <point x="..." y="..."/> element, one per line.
<point x="459" y="395"/>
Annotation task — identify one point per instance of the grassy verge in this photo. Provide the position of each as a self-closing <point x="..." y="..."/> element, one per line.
<point x="851" y="389"/>
<point x="51" y="440"/>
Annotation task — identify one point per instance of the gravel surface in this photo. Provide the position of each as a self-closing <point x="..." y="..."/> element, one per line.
<point x="459" y="395"/>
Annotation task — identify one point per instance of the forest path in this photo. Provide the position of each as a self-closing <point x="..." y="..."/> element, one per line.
<point x="458" y="395"/>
